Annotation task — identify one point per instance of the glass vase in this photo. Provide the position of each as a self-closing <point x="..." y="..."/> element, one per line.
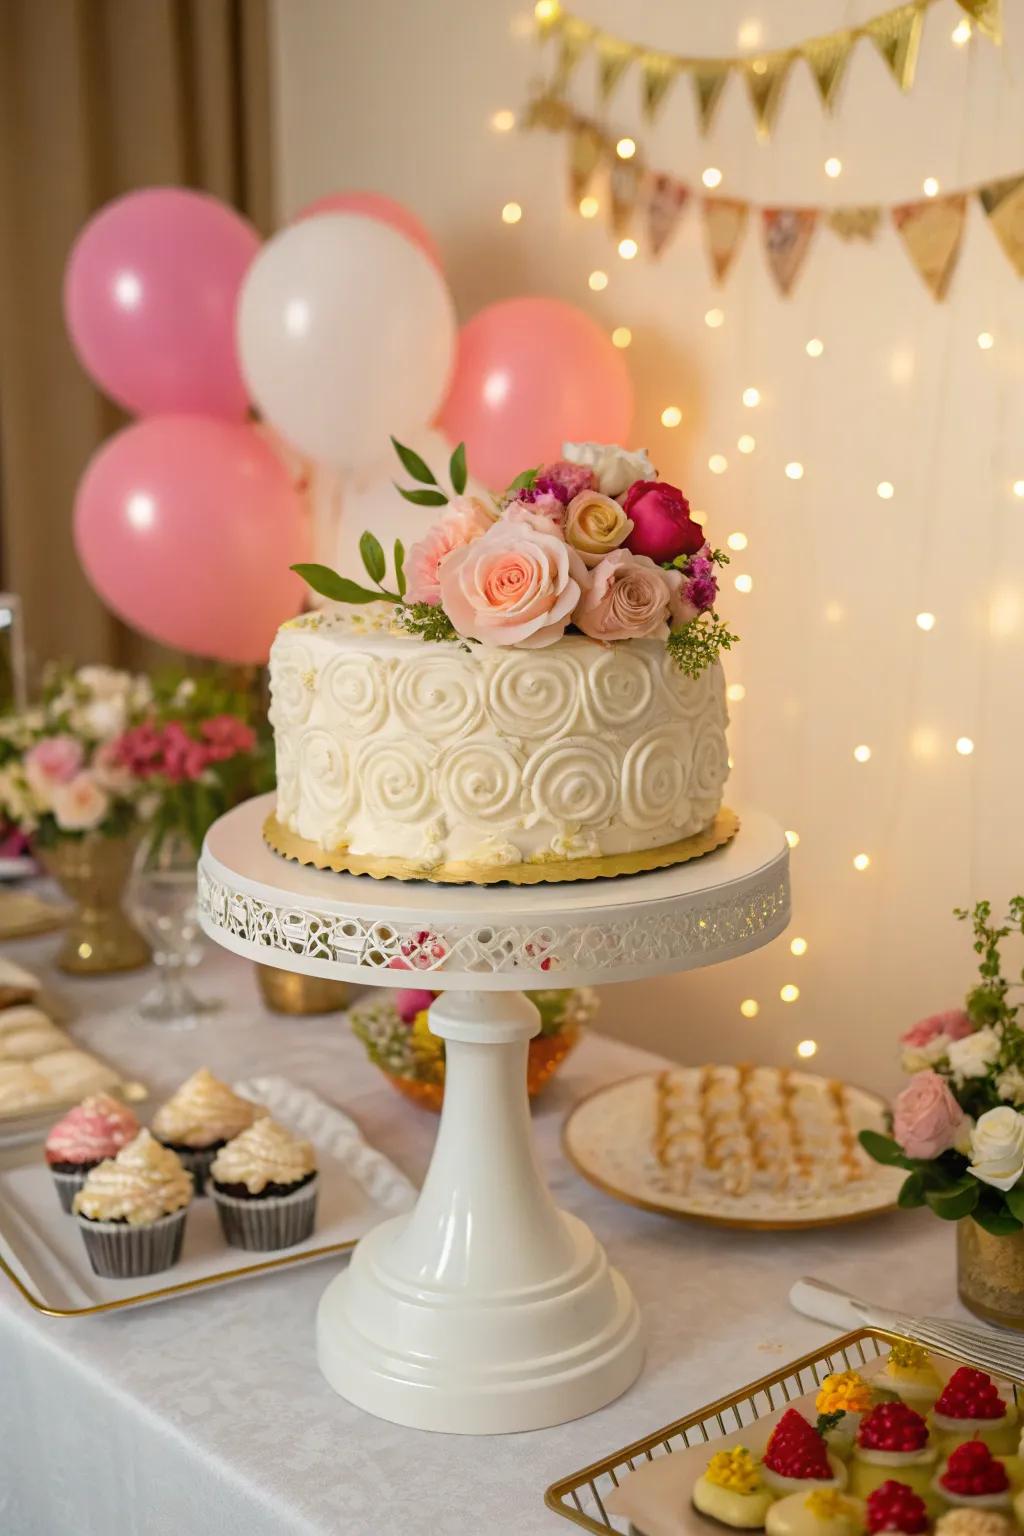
<point x="93" y="870"/>
<point x="162" y="900"/>
<point x="990" y="1274"/>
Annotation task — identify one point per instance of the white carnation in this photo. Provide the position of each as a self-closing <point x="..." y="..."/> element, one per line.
<point x="1010" y="1085"/>
<point x="919" y="1058"/>
<point x="997" y="1147"/>
<point x="614" y="468"/>
<point x="974" y="1055"/>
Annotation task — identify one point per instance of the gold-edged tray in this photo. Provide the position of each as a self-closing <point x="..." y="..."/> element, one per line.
<point x="548" y="871"/>
<point x="583" y="1496"/>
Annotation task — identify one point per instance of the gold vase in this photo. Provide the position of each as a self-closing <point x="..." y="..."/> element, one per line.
<point x="990" y="1274"/>
<point x="290" y="992"/>
<point x="93" y="871"/>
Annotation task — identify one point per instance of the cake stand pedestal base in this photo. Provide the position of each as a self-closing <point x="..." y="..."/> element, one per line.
<point x="486" y="1309"/>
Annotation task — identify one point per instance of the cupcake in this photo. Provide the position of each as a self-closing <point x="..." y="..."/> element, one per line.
<point x="796" y="1458"/>
<point x="731" y="1491"/>
<point x="969" y="1407"/>
<point x="893" y="1507"/>
<point x="94" y="1130"/>
<point x="822" y="1512"/>
<point x="910" y="1374"/>
<point x="974" y="1479"/>
<point x="264" y="1186"/>
<point x="892" y="1444"/>
<point x="199" y="1119"/>
<point x="131" y="1210"/>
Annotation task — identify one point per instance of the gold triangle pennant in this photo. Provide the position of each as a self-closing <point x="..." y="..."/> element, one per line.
<point x="659" y="73"/>
<point x="855" y="223"/>
<point x="827" y="58"/>
<point x="708" y="77"/>
<point x="575" y="36"/>
<point x="625" y="179"/>
<point x="725" y="220"/>
<point x="1003" y="202"/>
<point x="787" y="238"/>
<point x="766" y="79"/>
<point x="585" y="155"/>
<point x="987" y="16"/>
<point x="666" y="199"/>
<point x="897" y="36"/>
<point x="932" y="232"/>
<point x="613" y="59"/>
<point x="549" y="112"/>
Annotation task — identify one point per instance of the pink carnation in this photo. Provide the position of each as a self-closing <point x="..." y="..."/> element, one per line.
<point x="515" y="586"/>
<point x="954" y="1024"/>
<point x="564" y="480"/>
<point x="545" y="513"/>
<point x="926" y="1117"/>
<point x="226" y="736"/>
<point x="628" y="599"/>
<point x="467" y="519"/>
<point x="54" y="761"/>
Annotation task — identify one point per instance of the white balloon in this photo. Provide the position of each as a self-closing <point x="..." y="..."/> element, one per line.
<point x="346" y="333"/>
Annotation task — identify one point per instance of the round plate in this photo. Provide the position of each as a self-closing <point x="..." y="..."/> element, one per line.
<point x="609" y="1139"/>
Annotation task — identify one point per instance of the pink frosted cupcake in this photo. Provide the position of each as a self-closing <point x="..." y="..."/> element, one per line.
<point x="94" y="1130"/>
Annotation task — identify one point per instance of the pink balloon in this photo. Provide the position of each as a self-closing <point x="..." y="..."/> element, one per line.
<point x="186" y="528"/>
<point x="530" y="374"/>
<point x="376" y="206"/>
<point x="150" y="292"/>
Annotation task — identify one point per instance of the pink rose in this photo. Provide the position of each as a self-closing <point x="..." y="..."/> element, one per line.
<point x="409" y="1001"/>
<point x="515" y="586"/>
<point x="54" y="761"/>
<point x="538" y="509"/>
<point x="662" y="525"/>
<point x="467" y="519"/>
<point x="926" y="1117"/>
<point x="954" y="1024"/>
<point x="80" y="805"/>
<point x="628" y="598"/>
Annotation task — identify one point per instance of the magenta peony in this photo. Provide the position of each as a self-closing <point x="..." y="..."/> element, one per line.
<point x="517" y="585"/>
<point x="409" y="1001"/>
<point x="467" y="519"/>
<point x="628" y="598"/>
<point x="926" y="1117"/>
<point x="662" y="525"/>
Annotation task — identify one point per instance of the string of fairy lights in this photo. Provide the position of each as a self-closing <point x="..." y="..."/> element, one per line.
<point x="504" y="120"/>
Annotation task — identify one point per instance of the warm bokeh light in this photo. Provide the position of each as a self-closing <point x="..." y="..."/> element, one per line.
<point x="925" y="621"/>
<point x="885" y="489"/>
<point x="750" y="1008"/>
<point x="502" y="121"/>
<point x="930" y="186"/>
<point x="862" y="753"/>
<point x="511" y="213"/>
<point x="598" y="281"/>
<point x="714" y="318"/>
<point x="1018" y="488"/>
<point x="964" y="745"/>
<point x="746" y="444"/>
<point x="807" y="1048"/>
<point x="546" y="10"/>
<point x="626" y="149"/>
<point x="628" y="248"/>
<point x="815" y="347"/>
<point x="789" y="993"/>
<point x="750" y="34"/>
<point x="986" y="341"/>
<point x="621" y="336"/>
<point x="861" y="861"/>
<point x="711" y="176"/>
<point x="671" y="416"/>
<point x="718" y="464"/>
<point x="735" y="692"/>
<point x="751" y="396"/>
<point x="961" y="33"/>
<point x="737" y="541"/>
<point x="794" y="471"/>
<point x="833" y="166"/>
<point x="792" y="838"/>
<point x="834" y="613"/>
<point x="589" y="207"/>
<point x="798" y="947"/>
<point x="743" y="583"/>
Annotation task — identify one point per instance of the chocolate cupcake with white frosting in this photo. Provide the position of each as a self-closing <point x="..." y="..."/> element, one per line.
<point x="264" y="1185"/>
<point x="131" y="1210"/>
<point x="202" y="1116"/>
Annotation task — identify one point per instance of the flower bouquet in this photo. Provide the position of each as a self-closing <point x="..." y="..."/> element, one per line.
<point x="958" y="1125"/>
<point x="395" y="1030"/>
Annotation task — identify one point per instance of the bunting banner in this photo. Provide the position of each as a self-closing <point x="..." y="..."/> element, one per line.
<point x="648" y="205"/>
<point x="896" y="34"/>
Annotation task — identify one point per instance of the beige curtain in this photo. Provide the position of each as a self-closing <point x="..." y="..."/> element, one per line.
<point x="98" y="97"/>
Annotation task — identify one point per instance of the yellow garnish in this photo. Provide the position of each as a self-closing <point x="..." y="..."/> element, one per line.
<point x="734" y="1469"/>
<point x="845" y="1391"/>
<point x="427" y="1045"/>
<point x="905" y="1356"/>
<point x="826" y="1503"/>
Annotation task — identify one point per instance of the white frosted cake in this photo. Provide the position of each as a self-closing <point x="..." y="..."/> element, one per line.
<point x="533" y="702"/>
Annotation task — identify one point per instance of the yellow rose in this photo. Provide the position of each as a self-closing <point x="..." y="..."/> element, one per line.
<point x="595" y="525"/>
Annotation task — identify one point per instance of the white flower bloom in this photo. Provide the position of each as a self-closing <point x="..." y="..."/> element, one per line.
<point x="81" y="805"/>
<point x="965" y="1131"/>
<point x="614" y="468"/>
<point x="919" y="1058"/>
<point x="974" y="1055"/>
<point x="997" y="1147"/>
<point x="1010" y="1085"/>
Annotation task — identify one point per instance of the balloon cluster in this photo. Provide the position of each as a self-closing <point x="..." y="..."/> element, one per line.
<point x="340" y="331"/>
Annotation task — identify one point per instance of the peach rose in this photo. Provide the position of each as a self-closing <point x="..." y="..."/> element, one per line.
<point x="926" y="1117"/>
<point x="595" y="525"/>
<point x="628" y="599"/>
<point x="516" y="586"/>
<point x="467" y="519"/>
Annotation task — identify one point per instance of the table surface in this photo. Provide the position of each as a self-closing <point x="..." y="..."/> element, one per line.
<point x="209" y="1414"/>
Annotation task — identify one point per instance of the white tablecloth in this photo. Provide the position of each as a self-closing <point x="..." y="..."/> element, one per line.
<point x="208" y="1414"/>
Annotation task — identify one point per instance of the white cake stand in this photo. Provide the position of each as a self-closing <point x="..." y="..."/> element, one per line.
<point x="486" y="1309"/>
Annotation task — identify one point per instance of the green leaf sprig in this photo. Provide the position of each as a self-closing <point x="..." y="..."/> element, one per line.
<point x="432" y="494"/>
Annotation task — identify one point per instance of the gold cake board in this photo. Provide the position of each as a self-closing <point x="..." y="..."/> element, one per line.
<point x="721" y="831"/>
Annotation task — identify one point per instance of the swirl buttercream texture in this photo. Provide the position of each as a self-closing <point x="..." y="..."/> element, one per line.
<point x="142" y="1183"/>
<point x="95" y="1129"/>
<point x="204" y="1111"/>
<point x="265" y="1154"/>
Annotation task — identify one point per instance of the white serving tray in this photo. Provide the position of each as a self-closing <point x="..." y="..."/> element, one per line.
<point x="43" y="1256"/>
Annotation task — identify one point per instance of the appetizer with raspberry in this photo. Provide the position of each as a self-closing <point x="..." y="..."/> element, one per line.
<point x="892" y="1442"/>
<point x="822" y="1512"/>
<point x="731" y="1490"/>
<point x="974" y="1479"/>
<point x="970" y="1407"/>
<point x="796" y="1458"/>
<point x="909" y="1373"/>
<point x="896" y="1507"/>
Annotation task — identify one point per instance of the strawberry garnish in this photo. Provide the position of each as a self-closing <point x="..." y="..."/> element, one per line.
<point x="892" y="1427"/>
<point x="796" y="1449"/>
<point x="972" y="1470"/>
<point x="895" y="1507"/>
<point x="970" y="1394"/>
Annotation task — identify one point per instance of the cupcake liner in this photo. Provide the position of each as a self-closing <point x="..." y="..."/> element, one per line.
<point x="119" y="1251"/>
<point x="261" y="1226"/>
<point x="67" y="1185"/>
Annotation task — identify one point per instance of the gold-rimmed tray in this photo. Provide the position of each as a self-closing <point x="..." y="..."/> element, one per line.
<point x="590" y="1498"/>
<point x="610" y="1138"/>
<point x="42" y="1254"/>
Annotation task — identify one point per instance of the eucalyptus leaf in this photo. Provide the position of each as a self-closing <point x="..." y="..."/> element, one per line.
<point x="423" y="498"/>
<point x="399" y="559"/>
<point x="955" y="1203"/>
<point x="337" y="588"/>
<point x="911" y="1192"/>
<point x="883" y="1149"/>
<point x="373" y="556"/>
<point x="413" y="464"/>
<point x="457" y="469"/>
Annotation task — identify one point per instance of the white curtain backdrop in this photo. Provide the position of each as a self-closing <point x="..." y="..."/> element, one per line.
<point x="400" y="97"/>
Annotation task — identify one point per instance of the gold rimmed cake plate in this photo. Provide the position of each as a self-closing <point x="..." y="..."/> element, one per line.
<point x="610" y="1139"/>
<point x="547" y="871"/>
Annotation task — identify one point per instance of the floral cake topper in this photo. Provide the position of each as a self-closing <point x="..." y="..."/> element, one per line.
<point x="593" y="544"/>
